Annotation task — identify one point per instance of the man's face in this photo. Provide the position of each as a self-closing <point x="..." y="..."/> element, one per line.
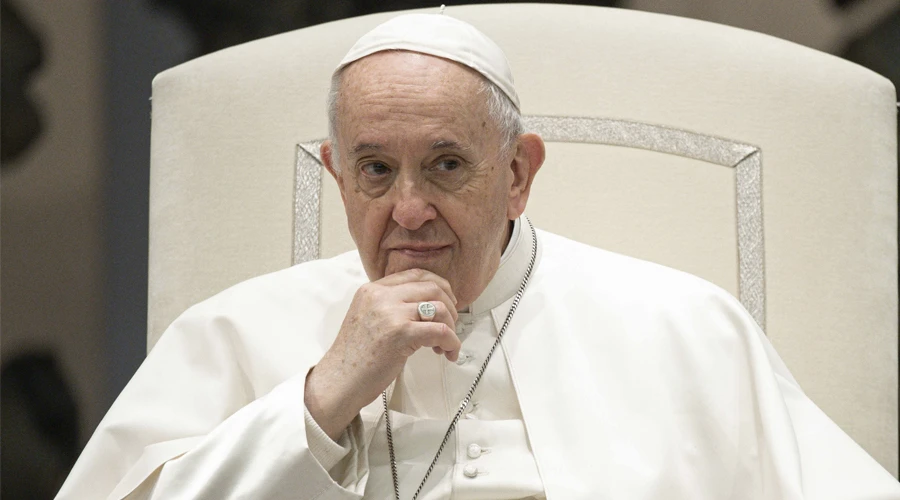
<point x="420" y="170"/>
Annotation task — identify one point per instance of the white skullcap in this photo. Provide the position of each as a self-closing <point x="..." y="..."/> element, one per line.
<point x="442" y="36"/>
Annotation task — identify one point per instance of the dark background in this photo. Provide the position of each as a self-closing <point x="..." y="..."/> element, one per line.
<point x="75" y="148"/>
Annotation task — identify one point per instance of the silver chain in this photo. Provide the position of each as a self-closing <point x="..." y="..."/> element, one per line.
<point x="465" y="402"/>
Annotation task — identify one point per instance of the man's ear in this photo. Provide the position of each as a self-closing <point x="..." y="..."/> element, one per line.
<point x="525" y="164"/>
<point x="328" y="160"/>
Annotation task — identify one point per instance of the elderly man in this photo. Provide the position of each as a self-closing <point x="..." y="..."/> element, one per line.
<point x="562" y="371"/>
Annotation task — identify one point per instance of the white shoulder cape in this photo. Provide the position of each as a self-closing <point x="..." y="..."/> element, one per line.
<point x="635" y="381"/>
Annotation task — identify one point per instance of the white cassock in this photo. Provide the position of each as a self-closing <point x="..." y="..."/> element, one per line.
<point x="617" y="379"/>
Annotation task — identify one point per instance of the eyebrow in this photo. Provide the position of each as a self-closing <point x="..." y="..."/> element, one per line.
<point x="443" y="144"/>
<point x="440" y="144"/>
<point x="366" y="146"/>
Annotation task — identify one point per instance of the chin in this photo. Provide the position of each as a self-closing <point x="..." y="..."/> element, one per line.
<point x="437" y="263"/>
<point x="398" y="267"/>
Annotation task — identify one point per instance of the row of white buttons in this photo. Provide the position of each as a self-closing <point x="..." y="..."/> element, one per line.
<point x="473" y="451"/>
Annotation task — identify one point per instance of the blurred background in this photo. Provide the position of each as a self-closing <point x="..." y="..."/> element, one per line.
<point x="76" y="79"/>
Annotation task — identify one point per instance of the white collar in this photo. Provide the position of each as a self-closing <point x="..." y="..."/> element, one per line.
<point x="509" y="275"/>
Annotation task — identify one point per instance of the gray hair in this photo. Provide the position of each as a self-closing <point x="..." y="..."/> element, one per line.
<point x="500" y="109"/>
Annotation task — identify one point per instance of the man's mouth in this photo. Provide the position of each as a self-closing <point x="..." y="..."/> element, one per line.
<point x="421" y="251"/>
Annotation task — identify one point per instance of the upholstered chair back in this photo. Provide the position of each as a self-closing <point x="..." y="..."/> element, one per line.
<point x="763" y="166"/>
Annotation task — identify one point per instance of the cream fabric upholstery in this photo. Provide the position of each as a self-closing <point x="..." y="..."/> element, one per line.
<point x="230" y="128"/>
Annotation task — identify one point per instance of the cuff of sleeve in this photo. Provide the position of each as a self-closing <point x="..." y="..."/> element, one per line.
<point x="326" y="451"/>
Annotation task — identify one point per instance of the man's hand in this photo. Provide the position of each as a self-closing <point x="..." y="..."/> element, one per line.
<point x="381" y="329"/>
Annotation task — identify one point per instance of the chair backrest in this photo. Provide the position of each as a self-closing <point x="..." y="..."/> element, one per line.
<point x="763" y="166"/>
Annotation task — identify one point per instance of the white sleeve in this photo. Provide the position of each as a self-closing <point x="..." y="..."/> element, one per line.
<point x="192" y="424"/>
<point x="263" y="451"/>
<point x="833" y="466"/>
<point x="827" y="462"/>
<point x="328" y="452"/>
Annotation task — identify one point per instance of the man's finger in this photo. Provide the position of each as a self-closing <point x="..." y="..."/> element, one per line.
<point x="451" y="355"/>
<point x="418" y="275"/>
<point x="421" y="291"/>
<point x="433" y="334"/>
<point x="442" y="314"/>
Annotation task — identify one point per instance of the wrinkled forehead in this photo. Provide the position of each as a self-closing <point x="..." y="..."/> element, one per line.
<point x="382" y="93"/>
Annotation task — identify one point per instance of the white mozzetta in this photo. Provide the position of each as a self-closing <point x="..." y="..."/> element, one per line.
<point x="633" y="381"/>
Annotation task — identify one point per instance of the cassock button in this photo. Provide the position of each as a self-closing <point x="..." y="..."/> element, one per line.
<point x="472" y="406"/>
<point x="470" y="471"/>
<point x="464" y="358"/>
<point x="473" y="451"/>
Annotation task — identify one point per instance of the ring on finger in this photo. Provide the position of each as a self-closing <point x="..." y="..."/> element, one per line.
<point x="427" y="310"/>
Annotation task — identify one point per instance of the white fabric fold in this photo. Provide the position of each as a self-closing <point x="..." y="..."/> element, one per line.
<point x="152" y="457"/>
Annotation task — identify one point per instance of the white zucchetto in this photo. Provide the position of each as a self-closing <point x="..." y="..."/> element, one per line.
<point x="441" y="36"/>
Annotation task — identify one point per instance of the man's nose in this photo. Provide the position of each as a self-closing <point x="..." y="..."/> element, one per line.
<point x="412" y="207"/>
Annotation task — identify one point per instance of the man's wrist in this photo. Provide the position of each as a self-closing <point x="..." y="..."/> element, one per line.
<point x="330" y="413"/>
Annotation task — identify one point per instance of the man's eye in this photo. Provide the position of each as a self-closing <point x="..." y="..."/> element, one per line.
<point x="375" y="169"/>
<point x="447" y="165"/>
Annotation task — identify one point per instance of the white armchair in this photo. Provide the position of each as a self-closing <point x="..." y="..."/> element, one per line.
<point x="763" y="166"/>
